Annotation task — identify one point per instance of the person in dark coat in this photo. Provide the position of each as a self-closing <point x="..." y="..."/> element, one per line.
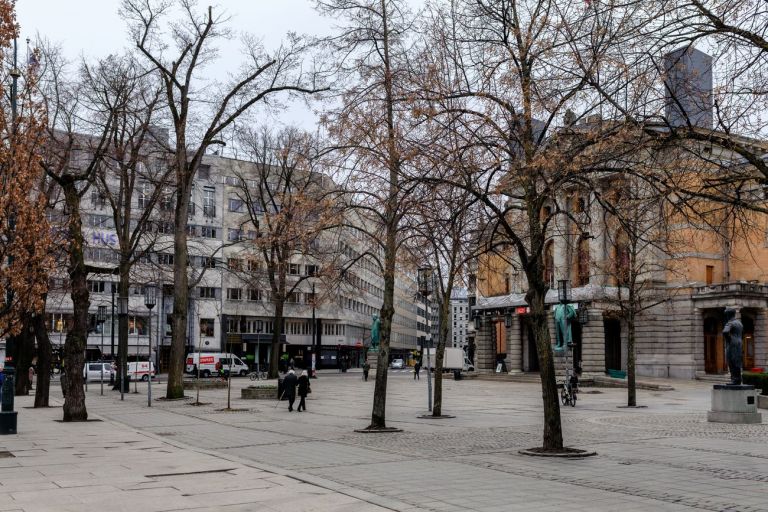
<point x="416" y="370"/>
<point x="304" y="390"/>
<point x="289" y="388"/>
<point x="366" y="369"/>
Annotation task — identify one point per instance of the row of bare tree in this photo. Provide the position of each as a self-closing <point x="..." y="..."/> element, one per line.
<point x="451" y="131"/>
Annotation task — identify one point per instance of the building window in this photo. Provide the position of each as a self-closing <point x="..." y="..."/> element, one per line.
<point x="207" y="292"/>
<point x="204" y="172"/>
<point x="60" y="322"/>
<point x="235" y="264"/>
<point x="293" y="269"/>
<point x="233" y="325"/>
<point x="254" y="294"/>
<point x="253" y="265"/>
<point x="137" y="325"/>
<point x="582" y="262"/>
<point x="622" y="263"/>
<point x="710" y="275"/>
<point x="98" y="199"/>
<point x="95" y="286"/>
<point x="209" y="202"/>
<point x="234" y="294"/>
<point x="166" y="201"/>
<point x="206" y="327"/>
<point x="235" y="204"/>
<point x="310" y="270"/>
<point x="207" y="232"/>
<point x="233" y="235"/>
<point x="143" y="199"/>
<point x="549" y="264"/>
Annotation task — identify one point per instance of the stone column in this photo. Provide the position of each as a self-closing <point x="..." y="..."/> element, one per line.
<point x="485" y="346"/>
<point x="761" y="339"/>
<point x="514" y="346"/>
<point x="593" y="344"/>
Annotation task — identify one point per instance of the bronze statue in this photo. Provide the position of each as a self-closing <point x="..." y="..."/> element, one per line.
<point x="732" y="336"/>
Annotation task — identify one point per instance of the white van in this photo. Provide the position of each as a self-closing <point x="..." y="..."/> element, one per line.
<point x="207" y="364"/>
<point x="141" y="370"/>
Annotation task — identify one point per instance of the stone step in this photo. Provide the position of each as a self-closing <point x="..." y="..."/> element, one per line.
<point x="710" y="377"/>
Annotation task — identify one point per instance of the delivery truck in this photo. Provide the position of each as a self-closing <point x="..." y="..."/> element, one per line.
<point x="454" y="359"/>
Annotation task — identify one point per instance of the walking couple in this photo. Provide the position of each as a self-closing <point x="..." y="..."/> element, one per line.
<point x="290" y="383"/>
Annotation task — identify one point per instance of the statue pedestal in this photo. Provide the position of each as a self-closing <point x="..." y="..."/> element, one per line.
<point x="373" y="359"/>
<point x="734" y="404"/>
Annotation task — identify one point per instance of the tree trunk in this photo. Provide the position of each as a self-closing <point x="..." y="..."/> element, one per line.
<point x="44" y="357"/>
<point x="437" y="408"/>
<point x="553" y="435"/>
<point x="25" y="350"/>
<point x="631" y="384"/>
<point x="74" y="346"/>
<point x="123" y="288"/>
<point x="274" y="356"/>
<point x="180" y="294"/>
<point x="378" y="414"/>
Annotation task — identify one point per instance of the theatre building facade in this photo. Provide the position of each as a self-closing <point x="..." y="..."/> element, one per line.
<point x="678" y="334"/>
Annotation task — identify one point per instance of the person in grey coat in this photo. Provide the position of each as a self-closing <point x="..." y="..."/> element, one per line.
<point x="289" y="388"/>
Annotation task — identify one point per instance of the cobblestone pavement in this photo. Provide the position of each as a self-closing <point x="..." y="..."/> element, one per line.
<point x="662" y="457"/>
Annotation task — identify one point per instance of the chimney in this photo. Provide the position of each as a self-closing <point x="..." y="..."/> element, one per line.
<point x="688" y="87"/>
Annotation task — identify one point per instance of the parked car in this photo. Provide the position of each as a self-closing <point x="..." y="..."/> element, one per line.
<point x="398" y="364"/>
<point x="93" y="371"/>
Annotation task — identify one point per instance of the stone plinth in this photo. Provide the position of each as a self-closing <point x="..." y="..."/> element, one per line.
<point x="762" y="401"/>
<point x="262" y="393"/>
<point x="734" y="404"/>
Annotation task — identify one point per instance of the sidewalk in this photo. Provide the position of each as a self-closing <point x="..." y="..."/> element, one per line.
<point x="102" y="465"/>
<point x="258" y="456"/>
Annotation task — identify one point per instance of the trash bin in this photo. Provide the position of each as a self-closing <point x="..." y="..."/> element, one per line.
<point x="456" y="374"/>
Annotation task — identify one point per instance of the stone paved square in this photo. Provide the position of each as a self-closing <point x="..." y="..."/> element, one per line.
<point x="177" y="456"/>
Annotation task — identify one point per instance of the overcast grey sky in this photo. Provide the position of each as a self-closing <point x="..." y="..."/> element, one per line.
<point x="93" y="28"/>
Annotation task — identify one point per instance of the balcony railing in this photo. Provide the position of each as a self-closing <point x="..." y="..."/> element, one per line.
<point x="732" y="288"/>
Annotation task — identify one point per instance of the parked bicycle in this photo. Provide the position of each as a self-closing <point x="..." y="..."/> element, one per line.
<point x="258" y="374"/>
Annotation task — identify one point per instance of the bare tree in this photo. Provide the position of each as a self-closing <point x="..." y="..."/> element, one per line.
<point x="134" y="173"/>
<point x="200" y="112"/>
<point x="287" y="206"/>
<point x="636" y="222"/>
<point x="369" y="131"/>
<point x="523" y="65"/>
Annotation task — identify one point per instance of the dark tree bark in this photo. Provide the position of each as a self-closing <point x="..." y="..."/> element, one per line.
<point x="44" y="358"/>
<point x="25" y="350"/>
<point x="74" y="346"/>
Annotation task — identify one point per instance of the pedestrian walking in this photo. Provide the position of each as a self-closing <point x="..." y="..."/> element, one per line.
<point x="366" y="369"/>
<point x="416" y="370"/>
<point x="304" y="390"/>
<point x="289" y="388"/>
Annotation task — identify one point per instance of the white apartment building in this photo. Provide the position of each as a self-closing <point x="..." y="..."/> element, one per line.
<point x="226" y="310"/>
<point x="457" y="336"/>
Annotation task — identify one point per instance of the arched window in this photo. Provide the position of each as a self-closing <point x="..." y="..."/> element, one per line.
<point x="582" y="262"/>
<point x="621" y="259"/>
<point x="549" y="264"/>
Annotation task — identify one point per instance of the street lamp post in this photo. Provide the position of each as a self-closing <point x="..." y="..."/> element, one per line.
<point x="150" y="299"/>
<point x="122" y="311"/>
<point x="315" y="346"/>
<point x="101" y="317"/>
<point x="425" y="283"/>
